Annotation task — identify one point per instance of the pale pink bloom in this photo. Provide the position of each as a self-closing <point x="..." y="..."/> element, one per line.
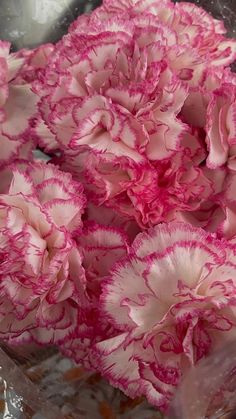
<point x="172" y="301"/>
<point x="194" y="39"/>
<point x="127" y="74"/>
<point x="221" y="127"/>
<point x="42" y="282"/>
<point x="205" y="34"/>
<point x="17" y="107"/>
<point x="101" y="247"/>
<point x="130" y="90"/>
<point x="115" y="97"/>
<point x="147" y="30"/>
<point x="195" y="29"/>
<point x="125" y="94"/>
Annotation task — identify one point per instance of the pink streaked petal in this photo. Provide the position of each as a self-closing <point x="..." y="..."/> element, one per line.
<point x="47" y="285"/>
<point x="119" y="366"/>
<point x="45" y="137"/>
<point x="95" y="235"/>
<point x="116" y="293"/>
<point x="66" y="213"/>
<point x="19" y="108"/>
<point x="157" y="239"/>
<point x="34" y="256"/>
<point x="21" y="183"/>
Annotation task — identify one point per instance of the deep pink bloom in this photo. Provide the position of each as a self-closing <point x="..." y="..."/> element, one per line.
<point x="42" y="281"/>
<point x="171" y="302"/>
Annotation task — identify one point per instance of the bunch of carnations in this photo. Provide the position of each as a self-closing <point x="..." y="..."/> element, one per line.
<point x="121" y="250"/>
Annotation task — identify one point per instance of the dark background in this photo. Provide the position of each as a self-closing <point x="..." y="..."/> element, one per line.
<point x="27" y="23"/>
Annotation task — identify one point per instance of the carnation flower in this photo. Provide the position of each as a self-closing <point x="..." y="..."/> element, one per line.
<point x="17" y="107"/>
<point x="101" y="247"/>
<point x="193" y="26"/>
<point x="171" y="302"/>
<point x="149" y="191"/>
<point x="129" y="89"/>
<point x="118" y="97"/>
<point x="123" y="146"/>
<point x="42" y="282"/>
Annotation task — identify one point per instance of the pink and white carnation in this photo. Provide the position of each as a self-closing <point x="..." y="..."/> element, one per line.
<point x="42" y="281"/>
<point x="200" y="38"/>
<point x="17" y="108"/>
<point x="101" y="247"/>
<point x="129" y="88"/>
<point x="136" y="107"/>
<point x="151" y="191"/>
<point x="172" y="301"/>
<point x="118" y="98"/>
<point x="126" y="136"/>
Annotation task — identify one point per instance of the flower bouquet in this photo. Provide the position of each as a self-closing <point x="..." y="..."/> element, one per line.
<point x="118" y="194"/>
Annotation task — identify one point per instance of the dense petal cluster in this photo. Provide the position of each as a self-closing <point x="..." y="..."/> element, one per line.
<point x="171" y="301"/>
<point x="42" y="283"/>
<point x="121" y="251"/>
<point x="119" y="93"/>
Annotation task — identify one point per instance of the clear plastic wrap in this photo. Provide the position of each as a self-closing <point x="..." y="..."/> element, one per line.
<point x="41" y="384"/>
<point x="20" y="394"/>
<point x="208" y="391"/>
